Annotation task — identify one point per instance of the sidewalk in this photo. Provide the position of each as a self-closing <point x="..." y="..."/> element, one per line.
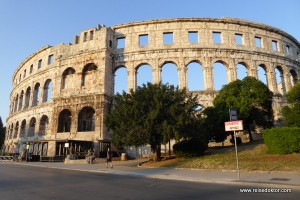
<point x="262" y="179"/>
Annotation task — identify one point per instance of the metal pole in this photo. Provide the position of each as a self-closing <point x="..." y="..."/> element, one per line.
<point x="236" y="155"/>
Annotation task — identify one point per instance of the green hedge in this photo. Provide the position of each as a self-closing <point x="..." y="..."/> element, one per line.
<point x="190" y="148"/>
<point x="282" y="140"/>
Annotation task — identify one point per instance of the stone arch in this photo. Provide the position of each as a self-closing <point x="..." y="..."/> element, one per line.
<point x="86" y="119"/>
<point x="16" y="130"/>
<point x="23" y="128"/>
<point x="143" y="73"/>
<point x="36" y="94"/>
<point x="262" y="73"/>
<point x="88" y="75"/>
<point x="64" y="121"/>
<point x="31" y="129"/>
<point x="68" y="78"/>
<point x="293" y="77"/>
<point x="47" y="95"/>
<point x="27" y="97"/>
<point x="11" y="131"/>
<point x="120" y="79"/>
<point x="16" y="103"/>
<point x="220" y="76"/>
<point x="170" y="72"/>
<point x="195" y="76"/>
<point x="242" y="70"/>
<point x="21" y="100"/>
<point x="279" y="79"/>
<point x="43" y="125"/>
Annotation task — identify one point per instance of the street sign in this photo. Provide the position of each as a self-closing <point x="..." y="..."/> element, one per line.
<point x="233" y="114"/>
<point x="234" y="125"/>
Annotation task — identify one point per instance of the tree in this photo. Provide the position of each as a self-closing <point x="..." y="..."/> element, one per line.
<point x="291" y="114"/>
<point x="214" y="123"/>
<point x="251" y="98"/>
<point x="153" y="114"/>
<point x="2" y="133"/>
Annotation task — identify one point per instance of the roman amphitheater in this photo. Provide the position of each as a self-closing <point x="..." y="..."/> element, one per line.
<point x="61" y="93"/>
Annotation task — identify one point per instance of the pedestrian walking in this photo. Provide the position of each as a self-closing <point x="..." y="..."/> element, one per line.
<point x="108" y="158"/>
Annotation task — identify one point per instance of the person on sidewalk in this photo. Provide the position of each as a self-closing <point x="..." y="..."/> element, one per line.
<point x="108" y="158"/>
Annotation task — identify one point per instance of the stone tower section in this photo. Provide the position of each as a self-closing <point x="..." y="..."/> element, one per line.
<point x="60" y="94"/>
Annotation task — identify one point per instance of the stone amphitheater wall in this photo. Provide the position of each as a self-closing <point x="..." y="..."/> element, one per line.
<point x="82" y="74"/>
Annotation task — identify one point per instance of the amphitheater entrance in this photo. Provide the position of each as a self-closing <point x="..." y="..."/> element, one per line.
<point x="77" y="148"/>
<point x="35" y="150"/>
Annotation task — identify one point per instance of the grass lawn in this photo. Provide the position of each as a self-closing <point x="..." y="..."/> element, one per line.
<point x="252" y="156"/>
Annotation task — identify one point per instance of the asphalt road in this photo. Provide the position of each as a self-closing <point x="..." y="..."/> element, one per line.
<point x="19" y="182"/>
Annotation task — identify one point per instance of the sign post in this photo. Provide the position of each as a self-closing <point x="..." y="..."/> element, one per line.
<point x="235" y="126"/>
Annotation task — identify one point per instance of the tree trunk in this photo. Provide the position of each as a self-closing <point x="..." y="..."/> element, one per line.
<point x="250" y="134"/>
<point x="155" y="152"/>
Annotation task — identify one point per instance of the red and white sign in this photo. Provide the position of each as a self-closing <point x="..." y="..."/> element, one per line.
<point x="234" y="125"/>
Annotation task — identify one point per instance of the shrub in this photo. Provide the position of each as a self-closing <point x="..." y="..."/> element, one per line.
<point x="282" y="140"/>
<point x="190" y="148"/>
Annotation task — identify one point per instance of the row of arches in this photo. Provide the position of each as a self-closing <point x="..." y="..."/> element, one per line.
<point x="85" y="122"/>
<point x="197" y="75"/>
<point x="32" y="96"/>
<point x="27" y="128"/>
<point x="68" y="76"/>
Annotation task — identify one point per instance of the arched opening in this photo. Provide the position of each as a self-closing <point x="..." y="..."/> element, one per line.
<point x="121" y="80"/>
<point x="169" y="74"/>
<point x="293" y="77"/>
<point x="279" y="80"/>
<point x="23" y="128"/>
<point x="11" y="131"/>
<point x="143" y="74"/>
<point x="16" y="130"/>
<point x="86" y="119"/>
<point x="31" y="129"/>
<point x="16" y="103"/>
<point x="67" y="78"/>
<point x="88" y="75"/>
<point x="64" y="121"/>
<point x="242" y="71"/>
<point x="27" y="97"/>
<point x="262" y="74"/>
<point x="219" y="75"/>
<point x="21" y="100"/>
<point x="36" y="94"/>
<point x="195" y="78"/>
<point x="43" y="124"/>
<point x="47" y="91"/>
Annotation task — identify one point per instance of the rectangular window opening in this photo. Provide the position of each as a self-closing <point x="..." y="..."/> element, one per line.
<point x="258" y="42"/>
<point x="217" y="38"/>
<point x="239" y="39"/>
<point x="143" y="40"/>
<point x="31" y="69"/>
<point x="193" y="37"/>
<point x="50" y="59"/>
<point x="121" y="42"/>
<point x="168" y="38"/>
<point x="274" y="45"/>
<point x="84" y="36"/>
<point x="24" y="73"/>
<point x="287" y="49"/>
<point x="91" y="35"/>
<point x="40" y="63"/>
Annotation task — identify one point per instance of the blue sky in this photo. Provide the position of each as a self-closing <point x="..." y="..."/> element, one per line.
<point x="26" y="26"/>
